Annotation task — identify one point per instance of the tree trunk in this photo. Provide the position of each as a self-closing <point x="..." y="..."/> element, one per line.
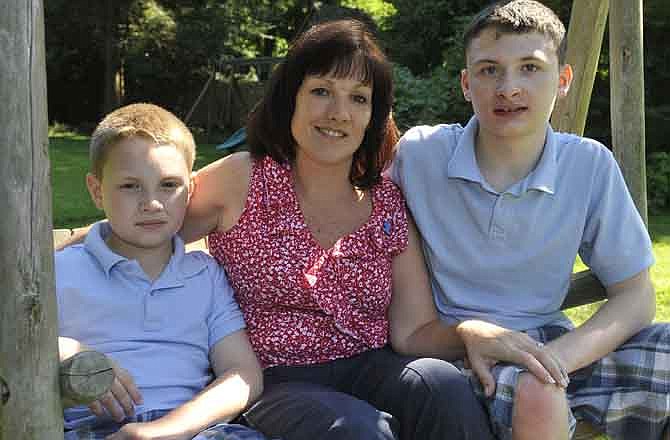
<point x="28" y="329"/>
<point x="627" y="96"/>
<point x="585" y="39"/>
<point x="113" y="73"/>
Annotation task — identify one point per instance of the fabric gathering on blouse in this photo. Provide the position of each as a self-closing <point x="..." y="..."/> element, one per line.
<point x="304" y="304"/>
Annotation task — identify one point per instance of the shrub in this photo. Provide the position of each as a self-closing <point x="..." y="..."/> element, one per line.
<point x="429" y="100"/>
<point x="658" y="181"/>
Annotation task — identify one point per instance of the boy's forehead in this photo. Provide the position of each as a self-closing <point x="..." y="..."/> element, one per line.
<point x="135" y="149"/>
<point x="493" y="43"/>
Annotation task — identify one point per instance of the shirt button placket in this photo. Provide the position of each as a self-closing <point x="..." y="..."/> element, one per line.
<point x="152" y="318"/>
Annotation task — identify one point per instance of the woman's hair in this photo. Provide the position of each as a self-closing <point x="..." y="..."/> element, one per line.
<point x="345" y="49"/>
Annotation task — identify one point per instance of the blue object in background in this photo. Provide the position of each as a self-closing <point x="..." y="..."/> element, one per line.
<point x="238" y="138"/>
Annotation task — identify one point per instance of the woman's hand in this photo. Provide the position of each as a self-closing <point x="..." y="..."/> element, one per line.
<point x="487" y="344"/>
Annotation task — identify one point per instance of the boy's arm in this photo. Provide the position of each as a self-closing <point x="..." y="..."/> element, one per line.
<point x="631" y="305"/>
<point x="119" y="401"/>
<point x="238" y="383"/>
<point x="417" y="330"/>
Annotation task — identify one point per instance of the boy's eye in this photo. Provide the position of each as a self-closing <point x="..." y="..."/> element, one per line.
<point x="319" y="91"/>
<point x="530" y="68"/>
<point x="130" y="186"/>
<point x="171" y="184"/>
<point x="488" y="70"/>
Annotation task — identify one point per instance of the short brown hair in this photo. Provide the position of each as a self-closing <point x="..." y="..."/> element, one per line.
<point x="519" y="17"/>
<point x="344" y="48"/>
<point x="144" y="120"/>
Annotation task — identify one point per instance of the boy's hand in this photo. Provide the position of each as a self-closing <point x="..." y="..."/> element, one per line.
<point x="487" y="344"/>
<point x="145" y="431"/>
<point x="119" y="402"/>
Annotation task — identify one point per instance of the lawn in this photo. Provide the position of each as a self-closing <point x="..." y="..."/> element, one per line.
<point x="72" y="207"/>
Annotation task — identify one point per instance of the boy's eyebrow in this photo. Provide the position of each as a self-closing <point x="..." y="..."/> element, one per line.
<point x="523" y="59"/>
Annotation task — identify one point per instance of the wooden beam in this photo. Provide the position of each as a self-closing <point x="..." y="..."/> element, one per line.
<point x="585" y="288"/>
<point x="28" y="333"/>
<point x="585" y="39"/>
<point x="627" y="96"/>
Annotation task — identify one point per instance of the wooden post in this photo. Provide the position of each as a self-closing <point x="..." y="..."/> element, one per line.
<point x="28" y="353"/>
<point x="627" y="96"/>
<point x="585" y="38"/>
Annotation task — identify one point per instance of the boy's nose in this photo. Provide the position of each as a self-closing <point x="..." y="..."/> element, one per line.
<point x="508" y="87"/>
<point x="151" y="204"/>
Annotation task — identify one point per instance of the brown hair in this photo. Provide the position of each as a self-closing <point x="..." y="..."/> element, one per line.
<point x="344" y="48"/>
<point x="145" y="120"/>
<point x="519" y="17"/>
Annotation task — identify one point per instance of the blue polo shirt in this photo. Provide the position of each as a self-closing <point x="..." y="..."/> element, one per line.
<point x="506" y="257"/>
<point x="161" y="331"/>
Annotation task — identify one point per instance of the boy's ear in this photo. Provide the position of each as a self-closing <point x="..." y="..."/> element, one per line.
<point x="465" y="84"/>
<point x="94" y="189"/>
<point x="564" y="80"/>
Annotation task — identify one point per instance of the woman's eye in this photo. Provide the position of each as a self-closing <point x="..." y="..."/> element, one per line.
<point x="361" y="99"/>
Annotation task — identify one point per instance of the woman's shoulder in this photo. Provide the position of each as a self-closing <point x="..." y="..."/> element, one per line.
<point x="389" y="192"/>
<point x="226" y="176"/>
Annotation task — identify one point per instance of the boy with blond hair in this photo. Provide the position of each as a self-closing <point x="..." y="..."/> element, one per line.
<point x="504" y="205"/>
<point x="167" y="319"/>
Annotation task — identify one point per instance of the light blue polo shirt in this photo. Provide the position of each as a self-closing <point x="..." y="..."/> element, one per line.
<point x="507" y="257"/>
<point x="161" y="331"/>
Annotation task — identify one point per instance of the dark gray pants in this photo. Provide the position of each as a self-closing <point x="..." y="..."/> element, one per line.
<point x="375" y="395"/>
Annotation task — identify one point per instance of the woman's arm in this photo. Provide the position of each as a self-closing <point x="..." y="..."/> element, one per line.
<point x="415" y="327"/>
<point x="218" y="196"/>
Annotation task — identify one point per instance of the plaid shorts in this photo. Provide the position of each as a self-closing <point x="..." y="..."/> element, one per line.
<point x="625" y="395"/>
<point x="100" y="429"/>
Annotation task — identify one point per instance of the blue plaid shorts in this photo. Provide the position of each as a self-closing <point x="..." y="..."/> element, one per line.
<point x="625" y="395"/>
<point x="98" y="429"/>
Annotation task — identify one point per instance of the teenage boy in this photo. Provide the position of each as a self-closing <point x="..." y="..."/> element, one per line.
<point x="504" y="205"/>
<point x="166" y="319"/>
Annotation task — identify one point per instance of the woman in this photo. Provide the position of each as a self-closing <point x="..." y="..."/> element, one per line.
<point x="325" y="261"/>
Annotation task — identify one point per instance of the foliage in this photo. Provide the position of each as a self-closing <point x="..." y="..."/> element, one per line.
<point x="434" y="97"/>
<point x="658" y="181"/>
<point x="421" y="31"/>
<point x="428" y="100"/>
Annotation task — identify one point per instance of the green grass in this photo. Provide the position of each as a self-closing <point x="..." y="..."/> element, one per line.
<point x="73" y="207"/>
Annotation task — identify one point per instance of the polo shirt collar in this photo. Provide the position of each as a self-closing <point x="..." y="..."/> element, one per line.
<point x="178" y="268"/>
<point x="463" y="163"/>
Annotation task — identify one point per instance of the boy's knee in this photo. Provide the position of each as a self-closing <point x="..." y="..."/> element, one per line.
<point x="539" y="406"/>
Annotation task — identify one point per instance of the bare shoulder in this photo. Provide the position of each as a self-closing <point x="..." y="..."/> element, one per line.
<point x="225" y="181"/>
<point x="218" y="198"/>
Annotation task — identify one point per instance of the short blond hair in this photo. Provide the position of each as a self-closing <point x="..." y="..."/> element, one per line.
<point x="143" y="120"/>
